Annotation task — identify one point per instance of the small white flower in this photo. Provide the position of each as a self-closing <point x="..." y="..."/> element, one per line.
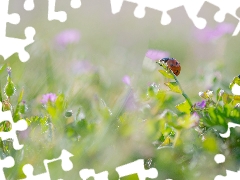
<point x="203" y="95"/>
<point x="221" y="92"/>
<point x="210" y="93"/>
<point x="237" y="105"/>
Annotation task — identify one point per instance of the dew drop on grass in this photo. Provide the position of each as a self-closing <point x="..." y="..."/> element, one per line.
<point x="68" y="113"/>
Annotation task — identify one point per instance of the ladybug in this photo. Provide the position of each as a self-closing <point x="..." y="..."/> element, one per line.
<point x="172" y="64"/>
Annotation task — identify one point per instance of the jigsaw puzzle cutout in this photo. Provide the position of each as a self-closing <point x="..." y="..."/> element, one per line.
<point x="164" y="7"/>
<point x="231" y="175"/>
<point x="220" y="158"/>
<point x="192" y="8"/>
<point x="139" y="12"/>
<point x="20" y="125"/>
<point x="87" y="173"/>
<point x="7" y="49"/>
<point x="5" y="163"/>
<point x="9" y="46"/>
<point x="137" y="167"/>
<point x="226" y="8"/>
<point x="29" y="5"/>
<point x="52" y="14"/>
<point x="214" y="30"/>
<point x="67" y="165"/>
<point x="75" y="4"/>
<point x="210" y="10"/>
<point x="230" y="125"/>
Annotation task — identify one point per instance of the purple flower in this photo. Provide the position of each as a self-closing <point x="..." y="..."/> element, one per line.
<point x="130" y="102"/>
<point x="126" y="80"/>
<point x="201" y="104"/>
<point x="156" y="54"/>
<point x="81" y="67"/>
<point x="194" y="119"/>
<point x="24" y="134"/>
<point x="211" y="34"/>
<point x="66" y="37"/>
<point x="9" y="70"/>
<point x="48" y="97"/>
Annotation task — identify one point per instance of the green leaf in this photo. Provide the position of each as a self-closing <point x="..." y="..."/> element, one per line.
<point x="20" y="96"/>
<point x="9" y="88"/>
<point x="83" y="128"/>
<point x="166" y="74"/>
<point x="22" y="107"/>
<point x="236" y="100"/>
<point x="3" y="68"/>
<point x="217" y="118"/>
<point x="173" y="87"/>
<point x="52" y="111"/>
<point x="44" y="124"/>
<point x="61" y="102"/>
<point x="227" y="98"/>
<point x="210" y="144"/>
<point x="170" y="118"/>
<point x="236" y="80"/>
<point x="184" y="107"/>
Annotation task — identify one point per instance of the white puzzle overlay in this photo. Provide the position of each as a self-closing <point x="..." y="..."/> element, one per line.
<point x="9" y="46"/>
<point x="21" y="125"/>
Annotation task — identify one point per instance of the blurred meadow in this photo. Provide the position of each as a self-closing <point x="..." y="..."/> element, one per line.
<point x="108" y="99"/>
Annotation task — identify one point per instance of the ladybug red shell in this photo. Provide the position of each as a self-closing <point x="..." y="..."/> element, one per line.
<point x="173" y="64"/>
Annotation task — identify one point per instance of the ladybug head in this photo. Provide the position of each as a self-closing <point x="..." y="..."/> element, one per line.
<point x="167" y="59"/>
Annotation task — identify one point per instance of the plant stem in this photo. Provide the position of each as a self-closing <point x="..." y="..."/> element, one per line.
<point x="179" y="85"/>
<point x="183" y="93"/>
<point x="177" y="135"/>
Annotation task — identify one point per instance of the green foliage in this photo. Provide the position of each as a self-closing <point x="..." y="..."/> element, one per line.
<point x="184" y="107"/>
<point x="176" y="136"/>
<point x="10" y="87"/>
<point x="3" y="68"/>
<point x="236" y="80"/>
<point x="166" y="74"/>
<point x="174" y="87"/>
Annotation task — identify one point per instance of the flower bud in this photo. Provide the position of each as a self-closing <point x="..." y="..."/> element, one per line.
<point x="221" y="92"/>
<point x="194" y="119"/>
<point x="203" y="95"/>
<point x="9" y="88"/>
<point x="22" y="107"/>
<point x="201" y="105"/>
<point x="206" y="95"/>
<point x="209" y="93"/>
<point x="237" y="106"/>
<point x="9" y="70"/>
<point x="68" y="113"/>
<point x="6" y="105"/>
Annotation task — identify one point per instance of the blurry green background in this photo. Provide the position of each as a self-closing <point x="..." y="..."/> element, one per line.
<point x="115" y="46"/>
